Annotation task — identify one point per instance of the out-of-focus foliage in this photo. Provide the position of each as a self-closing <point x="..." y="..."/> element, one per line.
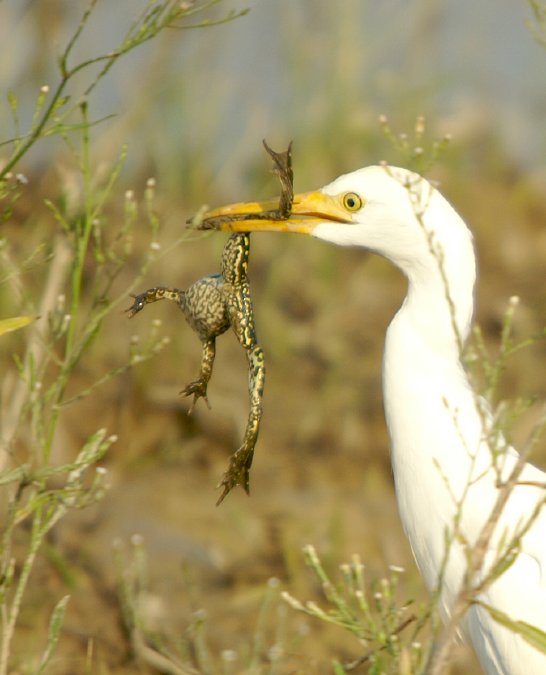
<point x="175" y="125"/>
<point x="538" y="27"/>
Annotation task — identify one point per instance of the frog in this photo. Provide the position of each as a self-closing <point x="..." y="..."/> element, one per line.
<point x="217" y="302"/>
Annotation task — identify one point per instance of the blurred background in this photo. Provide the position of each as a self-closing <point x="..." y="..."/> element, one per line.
<point x="192" y="107"/>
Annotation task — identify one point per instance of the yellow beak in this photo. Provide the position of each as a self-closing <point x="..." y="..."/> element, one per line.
<point x="308" y="210"/>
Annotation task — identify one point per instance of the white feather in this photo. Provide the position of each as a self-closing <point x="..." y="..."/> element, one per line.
<point x="437" y="425"/>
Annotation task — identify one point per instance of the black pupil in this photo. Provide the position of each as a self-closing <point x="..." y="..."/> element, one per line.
<point x="351" y="202"/>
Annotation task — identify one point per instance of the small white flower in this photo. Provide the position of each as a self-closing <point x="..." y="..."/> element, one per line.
<point x="137" y="539"/>
<point x="396" y="569"/>
<point x="275" y="652"/>
<point x="229" y="655"/>
<point x="295" y="604"/>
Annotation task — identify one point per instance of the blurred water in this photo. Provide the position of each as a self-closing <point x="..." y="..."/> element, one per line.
<point x="292" y="64"/>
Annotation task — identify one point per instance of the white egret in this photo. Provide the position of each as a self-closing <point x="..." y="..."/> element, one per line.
<point x="447" y="469"/>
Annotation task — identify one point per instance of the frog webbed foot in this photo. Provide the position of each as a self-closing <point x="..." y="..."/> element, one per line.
<point x="197" y="388"/>
<point x="238" y="471"/>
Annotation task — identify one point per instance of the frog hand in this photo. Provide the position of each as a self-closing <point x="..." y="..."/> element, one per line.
<point x="138" y="304"/>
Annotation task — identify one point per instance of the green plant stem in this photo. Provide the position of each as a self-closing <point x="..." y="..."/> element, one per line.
<point x="9" y="626"/>
<point x="151" y="23"/>
<point x="82" y="233"/>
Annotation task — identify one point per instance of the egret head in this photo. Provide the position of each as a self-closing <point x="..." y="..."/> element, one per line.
<point x="388" y="210"/>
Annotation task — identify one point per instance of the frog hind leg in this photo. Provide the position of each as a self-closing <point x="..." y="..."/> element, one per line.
<point x="241" y="315"/>
<point x="238" y="471"/>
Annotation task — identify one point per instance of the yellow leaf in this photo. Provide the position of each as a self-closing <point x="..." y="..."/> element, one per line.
<point x="7" y="325"/>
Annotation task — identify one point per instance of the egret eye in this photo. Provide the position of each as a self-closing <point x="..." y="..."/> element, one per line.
<point x="352" y="202"/>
